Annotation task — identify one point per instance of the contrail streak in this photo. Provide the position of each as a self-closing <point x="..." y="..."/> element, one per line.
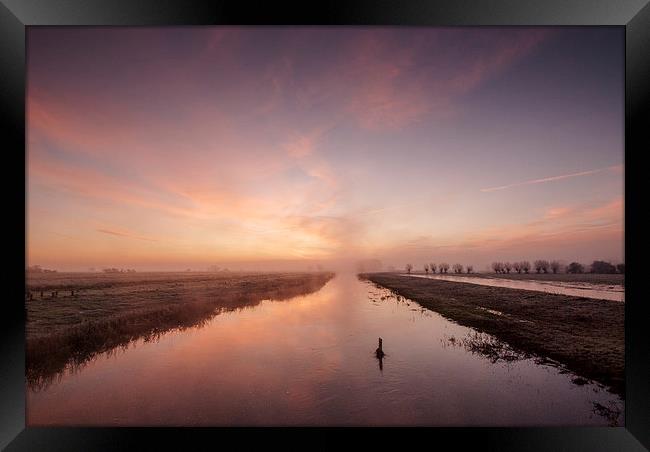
<point x="552" y="178"/>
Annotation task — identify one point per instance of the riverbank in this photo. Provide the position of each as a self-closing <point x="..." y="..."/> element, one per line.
<point x="584" y="335"/>
<point x="111" y="311"/>
<point x="591" y="278"/>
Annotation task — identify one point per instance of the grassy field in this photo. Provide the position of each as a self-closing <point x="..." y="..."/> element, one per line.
<point x="110" y="310"/>
<point x="585" y="335"/>
<point x="593" y="278"/>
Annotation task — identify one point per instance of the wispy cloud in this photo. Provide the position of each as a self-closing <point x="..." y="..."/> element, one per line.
<point x="268" y="144"/>
<point x="125" y="234"/>
<point x="570" y="230"/>
<point x="552" y="178"/>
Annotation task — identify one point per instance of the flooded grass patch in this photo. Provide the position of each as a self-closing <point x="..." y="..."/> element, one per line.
<point x="487" y="346"/>
<point x="611" y="412"/>
<point x="585" y="335"/>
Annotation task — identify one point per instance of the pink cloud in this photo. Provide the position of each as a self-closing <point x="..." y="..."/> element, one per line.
<point x="300" y="146"/>
<point x="389" y="87"/>
<point x="562" y="231"/>
<point x="558" y="225"/>
<point x="557" y="212"/>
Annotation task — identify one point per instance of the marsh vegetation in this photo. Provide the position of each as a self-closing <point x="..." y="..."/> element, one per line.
<point x="110" y="310"/>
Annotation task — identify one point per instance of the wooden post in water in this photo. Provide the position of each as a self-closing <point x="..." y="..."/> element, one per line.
<point x="379" y="352"/>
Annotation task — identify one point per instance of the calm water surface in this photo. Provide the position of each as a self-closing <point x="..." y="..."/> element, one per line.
<point x="310" y="361"/>
<point x="577" y="289"/>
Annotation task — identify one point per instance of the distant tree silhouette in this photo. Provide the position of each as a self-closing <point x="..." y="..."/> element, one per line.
<point x="39" y="269"/>
<point x="507" y="267"/>
<point x="458" y="268"/>
<point x="575" y="267"/>
<point x="541" y="266"/>
<point x="497" y="267"/>
<point x="525" y="266"/>
<point x="602" y="267"/>
<point x="432" y="267"/>
<point x="444" y="267"/>
<point x="545" y="266"/>
<point x="470" y="269"/>
<point x="516" y="266"/>
<point x="409" y="267"/>
<point x="555" y="266"/>
<point x="426" y="269"/>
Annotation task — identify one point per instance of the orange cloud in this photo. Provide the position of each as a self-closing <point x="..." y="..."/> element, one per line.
<point x="557" y="212"/>
<point x="126" y="234"/>
<point x="561" y="231"/>
<point x="559" y="225"/>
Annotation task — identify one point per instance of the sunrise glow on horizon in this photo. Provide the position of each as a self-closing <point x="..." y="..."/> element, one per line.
<point x="280" y="147"/>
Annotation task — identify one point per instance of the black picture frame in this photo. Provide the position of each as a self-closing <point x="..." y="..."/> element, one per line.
<point x="16" y="15"/>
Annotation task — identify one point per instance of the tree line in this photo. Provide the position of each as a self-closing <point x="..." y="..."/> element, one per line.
<point x="443" y="268"/>
<point x="39" y="269"/>
<point x="118" y="270"/>
<point x="539" y="266"/>
<point x="544" y="266"/>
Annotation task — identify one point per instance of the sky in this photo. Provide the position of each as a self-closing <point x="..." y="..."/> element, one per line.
<point x="275" y="148"/>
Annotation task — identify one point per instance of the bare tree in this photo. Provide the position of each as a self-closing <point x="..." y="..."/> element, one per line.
<point x="458" y="268"/>
<point x="507" y="267"/>
<point x="497" y="267"/>
<point x="409" y="267"/>
<point x="525" y="266"/>
<point x="555" y="266"/>
<point x="432" y="266"/>
<point x="575" y="267"/>
<point x="538" y="265"/>
<point x="602" y="267"/>
<point x="426" y="269"/>
<point x="545" y="266"/>
<point x="516" y="266"/>
<point x="444" y="267"/>
<point x="470" y="269"/>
